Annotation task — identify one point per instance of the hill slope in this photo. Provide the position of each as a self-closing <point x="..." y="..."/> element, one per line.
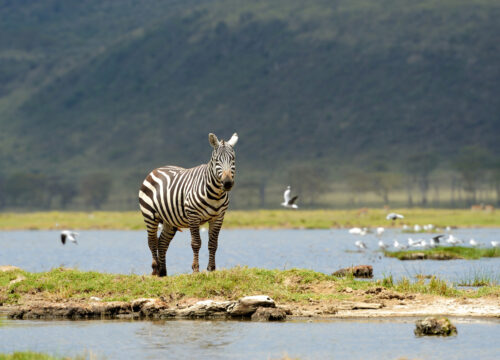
<point x="97" y="86"/>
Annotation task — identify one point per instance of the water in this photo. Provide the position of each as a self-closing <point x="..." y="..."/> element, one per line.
<point x="320" y="250"/>
<point x="338" y="339"/>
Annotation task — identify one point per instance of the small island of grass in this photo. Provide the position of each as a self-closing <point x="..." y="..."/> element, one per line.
<point x="445" y="253"/>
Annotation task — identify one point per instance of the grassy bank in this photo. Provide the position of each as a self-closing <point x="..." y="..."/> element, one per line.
<point x="445" y="253"/>
<point x="287" y="286"/>
<point x="28" y="355"/>
<point x="309" y="219"/>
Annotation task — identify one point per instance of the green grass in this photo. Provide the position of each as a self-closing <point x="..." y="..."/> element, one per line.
<point x="309" y="219"/>
<point x="294" y="285"/>
<point x="451" y="252"/>
<point x="28" y="355"/>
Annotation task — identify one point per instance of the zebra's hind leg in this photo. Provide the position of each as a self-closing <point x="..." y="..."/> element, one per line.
<point x="166" y="236"/>
<point x="152" y="229"/>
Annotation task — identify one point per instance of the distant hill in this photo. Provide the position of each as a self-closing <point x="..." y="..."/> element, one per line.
<point x="126" y="86"/>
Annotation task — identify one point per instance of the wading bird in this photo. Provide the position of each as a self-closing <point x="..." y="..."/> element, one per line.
<point x="382" y="245"/>
<point x="69" y="235"/>
<point x="360" y="245"/>
<point x="289" y="201"/>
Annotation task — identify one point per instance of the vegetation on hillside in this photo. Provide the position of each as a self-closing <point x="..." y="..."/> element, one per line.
<point x="321" y="92"/>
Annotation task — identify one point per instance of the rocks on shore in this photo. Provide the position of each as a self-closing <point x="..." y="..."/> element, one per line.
<point x="359" y="271"/>
<point x="427" y="256"/>
<point x="263" y="306"/>
<point x="435" y="326"/>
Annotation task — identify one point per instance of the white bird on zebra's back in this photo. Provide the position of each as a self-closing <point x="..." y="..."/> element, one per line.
<point x="289" y="200"/>
<point x="394" y="216"/>
<point x="68" y="235"/>
<point x="495" y="243"/>
<point x="360" y="245"/>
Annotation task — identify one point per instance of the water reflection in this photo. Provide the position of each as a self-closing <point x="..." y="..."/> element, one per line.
<point x="342" y="339"/>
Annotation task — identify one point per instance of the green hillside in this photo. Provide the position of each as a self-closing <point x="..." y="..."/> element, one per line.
<point x="101" y="86"/>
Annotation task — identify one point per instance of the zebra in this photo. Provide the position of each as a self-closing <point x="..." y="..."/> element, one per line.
<point x="187" y="198"/>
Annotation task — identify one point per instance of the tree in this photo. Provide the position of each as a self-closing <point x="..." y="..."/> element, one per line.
<point x="471" y="163"/>
<point x="26" y="190"/>
<point x="95" y="189"/>
<point x="359" y="183"/>
<point x="420" y="167"/>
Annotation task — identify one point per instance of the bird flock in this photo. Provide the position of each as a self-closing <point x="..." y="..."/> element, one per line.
<point x="420" y="243"/>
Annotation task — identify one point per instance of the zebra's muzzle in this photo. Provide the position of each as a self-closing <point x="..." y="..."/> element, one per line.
<point x="227" y="184"/>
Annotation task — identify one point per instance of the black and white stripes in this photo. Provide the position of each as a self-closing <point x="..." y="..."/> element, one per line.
<point x="187" y="198"/>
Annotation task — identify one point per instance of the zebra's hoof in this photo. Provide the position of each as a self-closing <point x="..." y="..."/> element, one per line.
<point x="211" y="268"/>
<point x="196" y="269"/>
<point x="163" y="272"/>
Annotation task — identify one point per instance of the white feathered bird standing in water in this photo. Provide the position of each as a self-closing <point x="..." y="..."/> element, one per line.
<point x="289" y="200"/>
<point x="69" y="235"/>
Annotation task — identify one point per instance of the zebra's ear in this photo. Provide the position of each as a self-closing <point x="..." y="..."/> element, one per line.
<point x="233" y="140"/>
<point x="212" y="139"/>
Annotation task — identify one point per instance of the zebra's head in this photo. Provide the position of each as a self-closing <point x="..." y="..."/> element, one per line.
<point x="222" y="162"/>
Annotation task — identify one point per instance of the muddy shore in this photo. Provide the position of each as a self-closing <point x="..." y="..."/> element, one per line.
<point x="384" y="304"/>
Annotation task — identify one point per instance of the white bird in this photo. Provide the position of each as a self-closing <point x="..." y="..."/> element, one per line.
<point x="380" y="231"/>
<point x="406" y="227"/>
<point x="394" y="216"/>
<point x="382" y="245"/>
<point x="289" y="201"/>
<point x="417" y="228"/>
<point x="360" y="245"/>
<point x="397" y="245"/>
<point x="473" y="243"/>
<point x="495" y="243"/>
<point x="452" y="240"/>
<point x="448" y="228"/>
<point x="69" y="235"/>
<point x="421" y="243"/>
<point x="355" y="231"/>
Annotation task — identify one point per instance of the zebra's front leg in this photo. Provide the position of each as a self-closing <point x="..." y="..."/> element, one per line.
<point x="195" y="245"/>
<point x="166" y="236"/>
<point x="213" y="238"/>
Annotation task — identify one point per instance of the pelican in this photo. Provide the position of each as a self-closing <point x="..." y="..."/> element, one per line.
<point x="68" y="235"/>
<point x="289" y="201"/>
<point x="394" y="216"/>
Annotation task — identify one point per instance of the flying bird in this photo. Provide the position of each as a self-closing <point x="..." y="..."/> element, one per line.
<point x="69" y="235"/>
<point x="289" y="201"/>
<point x="435" y="240"/>
<point x="394" y="216"/>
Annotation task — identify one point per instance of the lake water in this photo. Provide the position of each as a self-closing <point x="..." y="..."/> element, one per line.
<point x="332" y="339"/>
<point x="320" y="250"/>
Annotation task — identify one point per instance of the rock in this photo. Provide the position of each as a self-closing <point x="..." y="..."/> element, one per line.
<point x="206" y="308"/>
<point x="247" y="305"/>
<point x="360" y="306"/>
<point x="268" y="314"/>
<point x="435" y="326"/>
<point x="360" y="271"/>
<point x="5" y="268"/>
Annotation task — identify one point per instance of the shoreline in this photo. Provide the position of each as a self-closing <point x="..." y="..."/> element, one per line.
<point x="156" y="309"/>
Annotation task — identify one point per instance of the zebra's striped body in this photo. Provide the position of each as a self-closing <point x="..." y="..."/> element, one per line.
<point x="187" y="198"/>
